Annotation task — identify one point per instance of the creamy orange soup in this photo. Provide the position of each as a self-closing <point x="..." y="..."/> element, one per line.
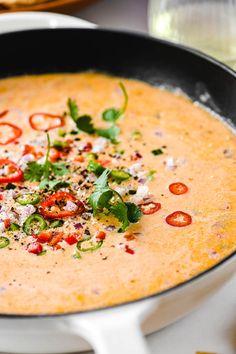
<point x="131" y="192"/>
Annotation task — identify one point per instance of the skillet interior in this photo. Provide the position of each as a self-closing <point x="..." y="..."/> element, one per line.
<point x="122" y="54"/>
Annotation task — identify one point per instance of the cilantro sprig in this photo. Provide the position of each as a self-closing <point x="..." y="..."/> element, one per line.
<point x="113" y="114"/>
<point x="106" y="200"/>
<point x="85" y="123"/>
<point x="46" y="173"/>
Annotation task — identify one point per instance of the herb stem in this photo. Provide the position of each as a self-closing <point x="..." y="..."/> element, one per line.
<point x="125" y="104"/>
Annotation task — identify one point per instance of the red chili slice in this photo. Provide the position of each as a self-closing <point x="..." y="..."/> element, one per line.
<point x="34" y="247"/>
<point x="53" y="207"/>
<point x="179" y="219"/>
<point x="13" y="173"/>
<point x="178" y="188"/>
<point x="9" y="133"/>
<point x="45" y="121"/>
<point x="57" y="237"/>
<point x="43" y="237"/>
<point x="150" y="208"/>
<point x="101" y="235"/>
<point x="3" y="113"/>
<point x="129" y="250"/>
<point x="71" y="239"/>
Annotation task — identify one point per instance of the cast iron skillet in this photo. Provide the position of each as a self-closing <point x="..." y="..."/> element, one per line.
<point x="130" y="55"/>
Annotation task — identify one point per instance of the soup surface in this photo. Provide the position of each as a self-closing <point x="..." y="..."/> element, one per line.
<point x="111" y="190"/>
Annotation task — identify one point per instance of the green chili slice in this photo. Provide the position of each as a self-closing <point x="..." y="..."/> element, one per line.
<point x="56" y="223"/>
<point x="95" y="167"/>
<point x="119" y="175"/>
<point x="14" y="227"/>
<point x="42" y="253"/>
<point x="90" y="247"/>
<point x="77" y="255"/>
<point x="26" y="199"/>
<point x="34" y="224"/>
<point x="4" y="242"/>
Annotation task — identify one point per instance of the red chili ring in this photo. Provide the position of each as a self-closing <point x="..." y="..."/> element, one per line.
<point x="16" y="176"/>
<point x="178" y="188"/>
<point x="33" y="124"/>
<point x="54" y="200"/>
<point x="16" y="131"/>
<point x="150" y="208"/>
<point x="179" y="219"/>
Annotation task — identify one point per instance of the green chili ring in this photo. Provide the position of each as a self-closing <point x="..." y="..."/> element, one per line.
<point x="30" y="221"/>
<point x="92" y="248"/>
<point x="4" y="242"/>
<point x="26" y="199"/>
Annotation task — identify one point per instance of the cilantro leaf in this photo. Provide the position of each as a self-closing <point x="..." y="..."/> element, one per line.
<point x="59" y="168"/>
<point x="120" y="211"/>
<point x="53" y="184"/>
<point x="33" y="172"/>
<point x="102" y="181"/>
<point x="113" y="114"/>
<point x="109" y="133"/>
<point x="106" y="198"/>
<point x="85" y="124"/>
<point x="100" y="200"/>
<point x="41" y="172"/>
<point x="73" y="109"/>
<point x="133" y="212"/>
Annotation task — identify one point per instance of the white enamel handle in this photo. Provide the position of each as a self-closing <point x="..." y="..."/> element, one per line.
<point x="114" y="331"/>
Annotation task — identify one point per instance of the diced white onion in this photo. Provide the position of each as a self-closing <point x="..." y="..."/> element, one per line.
<point x="70" y="206"/>
<point x="100" y="145"/>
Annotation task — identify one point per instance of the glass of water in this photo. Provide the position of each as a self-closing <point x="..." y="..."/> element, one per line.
<point x="207" y="25"/>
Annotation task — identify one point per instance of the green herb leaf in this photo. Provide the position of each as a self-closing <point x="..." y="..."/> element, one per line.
<point x="109" y="133"/>
<point x="113" y="114"/>
<point x="53" y="184"/>
<point x="107" y="199"/>
<point x="59" y="169"/>
<point x="133" y="211"/>
<point x="120" y="211"/>
<point x="73" y="109"/>
<point x="157" y="152"/>
<point x="85" y="124"/>
<point x="33" y="172"/>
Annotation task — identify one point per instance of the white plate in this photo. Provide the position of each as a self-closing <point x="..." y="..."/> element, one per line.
<point x="32" y="20"/>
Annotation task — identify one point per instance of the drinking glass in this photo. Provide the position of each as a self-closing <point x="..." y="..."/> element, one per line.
<point x="207" y="25"/>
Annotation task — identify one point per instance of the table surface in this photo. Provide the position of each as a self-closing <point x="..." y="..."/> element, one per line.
<point x="212" y="327"/>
